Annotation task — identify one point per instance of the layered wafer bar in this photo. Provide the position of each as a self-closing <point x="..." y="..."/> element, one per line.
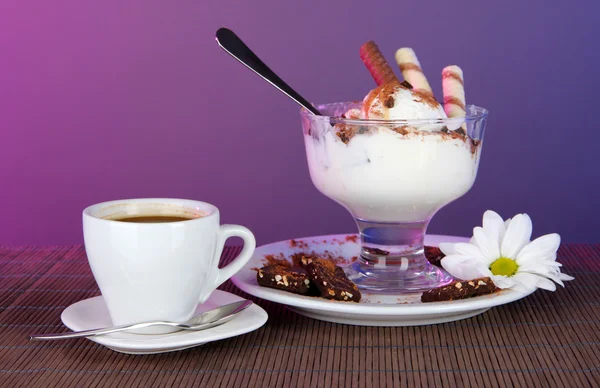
<point x="454" y="91"/>
<point x="375" y="62"/>
<point x="411" y="70"/>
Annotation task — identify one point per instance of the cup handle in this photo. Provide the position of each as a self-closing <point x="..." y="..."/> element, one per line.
<point x="222" y="274"/>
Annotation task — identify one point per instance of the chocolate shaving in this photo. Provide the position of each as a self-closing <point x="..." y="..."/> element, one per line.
<point x="403" y="130"/>
<point x="389" y="102"/>
<point x="474" y="145"/>
<point x="406" y="84"/>
<point x="345" y="132"/>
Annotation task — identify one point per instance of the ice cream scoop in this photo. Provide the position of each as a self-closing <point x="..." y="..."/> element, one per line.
<point x="394" y="101"/>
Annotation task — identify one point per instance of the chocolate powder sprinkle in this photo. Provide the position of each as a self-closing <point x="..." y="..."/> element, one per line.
<point x="426" y="97"/>
<point x="346" y="132"/>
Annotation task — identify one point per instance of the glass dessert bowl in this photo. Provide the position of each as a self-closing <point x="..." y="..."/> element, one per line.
<point x="393" y="176"/>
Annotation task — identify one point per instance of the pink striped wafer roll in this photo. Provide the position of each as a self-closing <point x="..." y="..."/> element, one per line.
<point x="411" y="69"/>
<point x="454" y="91"/>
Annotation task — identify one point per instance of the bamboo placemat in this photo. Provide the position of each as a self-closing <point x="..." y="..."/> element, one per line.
<point x="547" y="339"/>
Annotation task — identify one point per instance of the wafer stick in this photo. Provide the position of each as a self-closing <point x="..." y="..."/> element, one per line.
<point x="454" y="91"/>
<point x="375" y="62"/>
<point x="411" y="69"/>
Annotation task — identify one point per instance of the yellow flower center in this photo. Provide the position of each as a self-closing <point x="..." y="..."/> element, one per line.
<point x="504" y="266"/>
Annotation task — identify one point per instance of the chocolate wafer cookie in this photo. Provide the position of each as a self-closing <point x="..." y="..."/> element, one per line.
<point x="460" y="290"/>
<point x="292" y="279"/>
<point x="330" y="279"/>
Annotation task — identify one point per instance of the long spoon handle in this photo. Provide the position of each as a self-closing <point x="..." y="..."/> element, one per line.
<point x="234" y="46"/>
<point x="94" y="332"/>
<point x="206" y="320"/>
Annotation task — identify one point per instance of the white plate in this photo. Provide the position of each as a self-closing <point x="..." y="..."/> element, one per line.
<point x="92" y="313"/>
<point x="373" y="309"/>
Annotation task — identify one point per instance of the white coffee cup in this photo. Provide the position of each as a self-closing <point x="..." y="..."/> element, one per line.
<point x="158" y="271"/>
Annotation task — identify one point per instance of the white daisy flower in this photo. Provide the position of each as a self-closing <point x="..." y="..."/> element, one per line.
<point x="503" y="251"/>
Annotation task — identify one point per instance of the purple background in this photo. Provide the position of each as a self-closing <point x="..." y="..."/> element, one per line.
<point x="113" y="99"/>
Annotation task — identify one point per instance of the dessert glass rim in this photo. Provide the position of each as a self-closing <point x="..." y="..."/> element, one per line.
<point x="474" y="113"/>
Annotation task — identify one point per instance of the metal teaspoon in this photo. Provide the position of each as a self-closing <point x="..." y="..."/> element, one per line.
<point x="234" y="46"/>
<point x="206" y="320"/>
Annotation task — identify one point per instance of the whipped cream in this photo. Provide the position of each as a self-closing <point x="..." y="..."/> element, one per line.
<point x="384" y="175"/>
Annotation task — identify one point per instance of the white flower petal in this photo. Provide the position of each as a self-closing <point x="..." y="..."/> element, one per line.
<point x="532" y="257"/>
<point x="550" y="262"/>
<point x="536" y="260"/>
<point x="526" y="280"/>
<point x="537" y="266"/>
<point x="488" y="245"/>
<point x="542" y="248"/>
<point x="502" y="281"/>
<point x="484" y="270"/>
<point x="564" y="276"/>
<point x="555" y="278"/>
<point x="472" y="241"/>
<point x="532" y="268"/>
<point x="469" y="250"/>
<point x="523" y="287"/>
<point x="460" y="266"/>
<point x="517" y="236"/>
<point x="546" y="284"/>
<point x="447" y="248"/>
<point x="558" y="277"/>
<point x="494" y="226"/>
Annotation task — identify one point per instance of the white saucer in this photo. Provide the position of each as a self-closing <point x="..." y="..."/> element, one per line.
<point x="92" y="313"/>
<point x="373" y="309"/>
